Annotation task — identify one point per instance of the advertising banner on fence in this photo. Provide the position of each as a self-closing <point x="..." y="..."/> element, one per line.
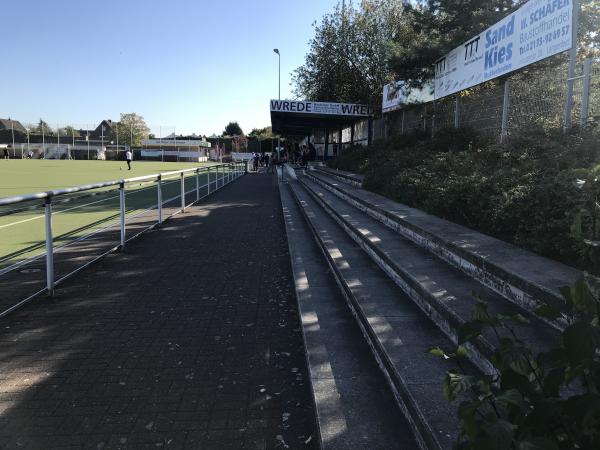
<point x="396" y="96"/>
<point x="537" y="30"/>
<point x="321" y="108"/>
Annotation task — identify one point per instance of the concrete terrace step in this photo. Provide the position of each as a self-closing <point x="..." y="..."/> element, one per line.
<point x="439" y="289"/>
<point x="353" y="179"/>
<point x="397" y="331"/>
<point x="519" y="275"/>
<point x="354" y="408"/>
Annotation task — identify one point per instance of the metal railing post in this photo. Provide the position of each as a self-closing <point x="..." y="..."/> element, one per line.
<point x="159" y="198"/>
<point x="197" y="185"/>
<point x="122" y="212"/>
<point x="49" y="247"/>
<point x="217" y="177"/>
<point x="208" y="181"/>
<point x="182" y="192"/>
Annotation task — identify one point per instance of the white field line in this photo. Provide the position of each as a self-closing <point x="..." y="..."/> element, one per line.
<point x="77" y="207"/>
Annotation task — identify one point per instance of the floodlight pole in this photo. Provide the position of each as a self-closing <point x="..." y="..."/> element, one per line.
<point x="276" y="50"/>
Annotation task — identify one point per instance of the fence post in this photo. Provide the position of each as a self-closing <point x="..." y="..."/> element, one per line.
<point x="122" y="212"/>
<point x="456" y="112"/>
<point x="208" y="181"/>
<point x="433" y="120"/>
<point x="49" y="247"/>
<point x="505" y="110"/>
<point x="587" y="79"/>
<point x="402" y="122"/>
<point x="182" y="178"/>
<point x="197" y="185"/>
<point x="159" y="198"/>
<point x="571" y="72"/>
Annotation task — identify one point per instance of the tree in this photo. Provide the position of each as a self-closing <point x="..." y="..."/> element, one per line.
<point x="42" y="128"/>
<point x="261" y="133"/>
<point x="239" y="143"/>
<point x="68" y="131"/>
<point x="431" y="28"/>
<point x="132" y="125"/>
<point x="233" y="129"/>
<point x="347" y="60"/>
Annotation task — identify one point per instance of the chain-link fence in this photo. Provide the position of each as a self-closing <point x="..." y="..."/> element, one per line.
<point x="535" y="96"/>
<point x="104" y="141"/>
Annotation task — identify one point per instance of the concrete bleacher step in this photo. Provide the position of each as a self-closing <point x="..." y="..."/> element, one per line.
<point x="522" y="277"/>
<point x="397" y="331"/>
<point x="354" y="408"/>
<point x="441" y="290"/>
<point x="353" y="179"/>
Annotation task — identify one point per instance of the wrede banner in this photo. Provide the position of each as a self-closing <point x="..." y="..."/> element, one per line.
<point x="537" y="30"/>
<point x="322" y="108"/>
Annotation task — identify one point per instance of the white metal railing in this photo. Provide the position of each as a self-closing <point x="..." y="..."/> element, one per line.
<point x="222" y="175"/>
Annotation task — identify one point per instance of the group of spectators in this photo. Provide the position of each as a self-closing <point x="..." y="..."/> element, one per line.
<point x="296" y="154"/>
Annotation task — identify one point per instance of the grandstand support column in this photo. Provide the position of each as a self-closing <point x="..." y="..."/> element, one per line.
<point x="585" y="103"/>
<point x="122" y="212"/>
<point x="571" y="73"/>
<point x="159" y="199"/>
<point x="49" y="247"/>
<point x="326" y="149"/>
<point x="505" y="111"/>
<point x="182" y="178"/>
<point x="370" y="131"/>
<point x="339" y="147"/>
<point x="352" y="134"/>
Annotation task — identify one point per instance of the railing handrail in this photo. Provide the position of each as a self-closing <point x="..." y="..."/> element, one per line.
<point x="86" y="187"/>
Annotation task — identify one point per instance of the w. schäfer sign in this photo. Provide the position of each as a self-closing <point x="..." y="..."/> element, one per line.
<point x="537" y="30"/>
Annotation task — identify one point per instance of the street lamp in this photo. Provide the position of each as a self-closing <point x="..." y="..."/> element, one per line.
<point x="276" y="50"/>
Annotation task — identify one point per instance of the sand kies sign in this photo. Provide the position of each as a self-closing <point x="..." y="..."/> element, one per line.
<point x="537" y="30"/>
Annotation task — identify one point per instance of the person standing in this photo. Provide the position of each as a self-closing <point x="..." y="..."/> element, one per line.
<point x="128" y="157"/>
<point x="6" y="155"/>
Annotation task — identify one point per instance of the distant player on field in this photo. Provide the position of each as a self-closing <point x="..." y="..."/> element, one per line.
<point x="128" y="157"/>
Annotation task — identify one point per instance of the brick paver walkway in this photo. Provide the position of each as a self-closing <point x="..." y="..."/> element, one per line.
<point x="190" y="339"/>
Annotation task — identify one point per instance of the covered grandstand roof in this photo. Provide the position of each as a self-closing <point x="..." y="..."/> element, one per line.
<point x="302" y="117"/>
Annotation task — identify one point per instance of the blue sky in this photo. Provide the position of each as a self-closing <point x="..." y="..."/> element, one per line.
<point x="193" y="65"/>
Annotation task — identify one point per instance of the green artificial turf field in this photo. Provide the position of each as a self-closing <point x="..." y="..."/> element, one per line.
<point x="22" y="232"/>
<point x="22" y="176"/>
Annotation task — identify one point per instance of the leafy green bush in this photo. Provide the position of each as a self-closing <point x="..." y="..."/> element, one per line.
<point x="547" y="401"/>
<point x="524" y="191"/>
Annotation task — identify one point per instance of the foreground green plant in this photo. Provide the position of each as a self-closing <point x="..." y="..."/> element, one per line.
<point x="546" y="401"/>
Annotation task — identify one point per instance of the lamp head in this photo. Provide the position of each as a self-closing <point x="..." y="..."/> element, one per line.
<point x="276" y="50"/>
